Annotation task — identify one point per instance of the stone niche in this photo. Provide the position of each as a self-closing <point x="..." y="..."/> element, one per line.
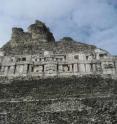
<point x="66" y="68"/>
<point x="38" y="69"/>
<point x="108" y="68"/>
<point x="50" y="68"/>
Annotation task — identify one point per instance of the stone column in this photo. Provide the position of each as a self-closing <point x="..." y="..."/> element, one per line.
<point x="82" y="67"/>
<point x="2" y="69"/>
<point x="60" y="68"/>
<point x="17" y="69"/>
<point x="71" y="68"/>
<point x="12" y="68"/>
<point x="79" y="67"/>
<point x="6" y="70"/>
<point x="88" y="68"/>
<point x="75" y="68"/>
<point x="25" y="68"/>
<point x="97" y="56"/>
<point x="94" y="67"/>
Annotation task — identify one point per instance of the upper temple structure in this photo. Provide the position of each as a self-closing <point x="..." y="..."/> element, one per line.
<point x="35" y="53"/>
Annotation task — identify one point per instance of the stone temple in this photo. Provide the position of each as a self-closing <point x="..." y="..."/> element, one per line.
<point x="35" y="53"/>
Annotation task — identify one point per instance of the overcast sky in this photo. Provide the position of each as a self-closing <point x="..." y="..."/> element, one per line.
<point x="89" y="21"/>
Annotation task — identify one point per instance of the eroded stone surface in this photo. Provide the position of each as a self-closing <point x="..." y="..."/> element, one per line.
<point x="38" y="38"/>
<point x="35" y="53"/>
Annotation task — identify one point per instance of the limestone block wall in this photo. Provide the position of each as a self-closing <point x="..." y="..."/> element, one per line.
<point x="77" y="56"/>
<point x="56" y="65"/>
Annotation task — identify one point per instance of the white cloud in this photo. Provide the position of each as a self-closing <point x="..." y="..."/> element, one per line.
<point x="91" y="21"/>
<point x="38" y="8"/>
<point x="106" y="39"/>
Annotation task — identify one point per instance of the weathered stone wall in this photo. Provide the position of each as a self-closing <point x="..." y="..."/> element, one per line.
<point x="35" y="53"/>
<point x="39" y="38"/>
<point x="84" y="111"/>
<point x="49" y="64"/>
<point x="59" y="101"/>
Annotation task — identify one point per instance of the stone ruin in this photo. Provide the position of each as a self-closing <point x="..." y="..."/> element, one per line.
<point x="35" y="53"/>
